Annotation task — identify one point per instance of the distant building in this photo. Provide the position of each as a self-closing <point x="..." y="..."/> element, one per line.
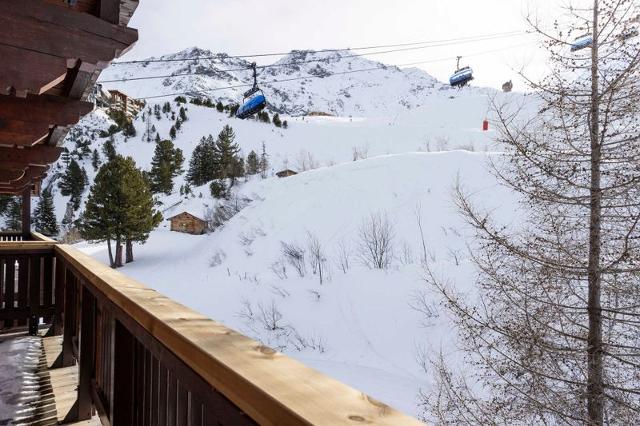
<point x="188" y="223"/>
<point x="286" y="173"/>
<point x="116" y="100"/>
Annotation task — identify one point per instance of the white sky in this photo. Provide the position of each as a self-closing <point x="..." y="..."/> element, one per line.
<point x="259" y="26"/>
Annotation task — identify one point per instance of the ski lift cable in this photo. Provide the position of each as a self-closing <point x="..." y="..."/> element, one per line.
<point x="383" y="46"/>
<point x="237" y="86"/>
<point x="290" y="64"/>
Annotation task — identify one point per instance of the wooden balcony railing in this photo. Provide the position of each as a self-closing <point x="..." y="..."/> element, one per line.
<point x="146" y="360"/>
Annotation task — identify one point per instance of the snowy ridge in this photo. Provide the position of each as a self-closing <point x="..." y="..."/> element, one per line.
<point x="386" y="90"/>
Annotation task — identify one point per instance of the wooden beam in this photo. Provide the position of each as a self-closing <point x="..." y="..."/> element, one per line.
<point x="71" y="19"/>
<point x="25" y="71"/>
<point x="109" y="10"/>
<point x="7" y="176"/>
<point x="31" y="176"/>
<point x="23" y="133"/>
<point x="43" y="109"/>
<point x="38" y="26"/>
<point x="36" y="155"/>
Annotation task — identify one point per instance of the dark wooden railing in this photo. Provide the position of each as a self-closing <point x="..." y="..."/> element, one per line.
<point x="147" y="360"/>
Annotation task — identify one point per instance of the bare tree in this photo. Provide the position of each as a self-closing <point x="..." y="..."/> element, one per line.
<point x="556" y="328"/>
<point x="376" y="241"/>
<point x="343" y="256"/>
<point x="317" y="257"/>
<point x="294" y="255"/>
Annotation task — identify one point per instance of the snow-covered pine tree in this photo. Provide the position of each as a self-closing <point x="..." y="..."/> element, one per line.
<point x="554" y="334"/>
<point x="44" y="215"/>
<point x="228" y="163"/>
<point x="253" y="164"/>
<point x="202" y="166"/>
<point x="276" y="120"/>
<point x="109" y="148"/>
<point x="95" y="160"/>
<point x="264" y="162"/>
<point x="72" y="183"/>
<point x="165" y="165"/>
<point x="13" y="215"/>
<point x="119" y="208"/>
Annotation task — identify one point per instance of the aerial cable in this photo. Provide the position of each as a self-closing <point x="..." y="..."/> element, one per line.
<point x="383" y="46"/>
<point x="237" y="86"/>
<point x="289" y="64"/>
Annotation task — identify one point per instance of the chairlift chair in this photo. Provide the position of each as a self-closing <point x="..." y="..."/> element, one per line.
<point x="462" y="76"/>
<point x="582" y="42"/>
<point x="254" y="100"/>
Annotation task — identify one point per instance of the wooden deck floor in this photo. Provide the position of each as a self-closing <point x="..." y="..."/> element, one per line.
<point x="56" y="390"/>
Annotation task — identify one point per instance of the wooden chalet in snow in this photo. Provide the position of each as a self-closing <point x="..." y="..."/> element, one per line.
<point x="188" y="223"/>
<point x="286" y="173"/>
<point x="114" y="351"/>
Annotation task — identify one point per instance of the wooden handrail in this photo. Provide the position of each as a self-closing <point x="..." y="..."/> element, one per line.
<point x="270" y="387"/>
<point x="36" y="236"/>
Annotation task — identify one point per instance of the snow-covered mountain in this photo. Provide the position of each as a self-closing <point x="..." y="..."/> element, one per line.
<point x="396" y="144"/>
<point x="326" y="82"/>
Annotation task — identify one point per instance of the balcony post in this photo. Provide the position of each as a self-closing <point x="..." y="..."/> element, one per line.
<point x="26" y="213"/>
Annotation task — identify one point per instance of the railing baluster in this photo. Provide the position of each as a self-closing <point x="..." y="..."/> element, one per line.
<point x="123" y="405"/>
<point x="22" y="291"/>
<point x="182" y="417"/>
<point x="34" y="291"/>
<point x="69" y="318"/>
<point x="59" y="297"/>
<point x="87" y="354"/>
<point x="10" y="286"/>
<point x="47" y="286"/>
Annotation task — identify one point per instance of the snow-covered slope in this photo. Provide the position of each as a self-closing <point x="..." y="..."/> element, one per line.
<point x="360" y="325"/>
<point x="396" y="146"/>
<point x="383" y="91"/>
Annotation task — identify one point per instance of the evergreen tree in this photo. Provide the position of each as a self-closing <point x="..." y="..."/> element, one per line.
<point x="165" y="165"/>
<point x="233" y="109"/>
<point x="109" y="149"/>
<point x="253" y="164"/>
<point x="14" y="214"/>
<point x="172" y="132"/>
<point x="285" y="125"/>
<point x="129" y="130"/>
<point x="73" y="183"/>
<point x="178" y="124"/>
<point x="44" y="215"/>
<point x="264" y="162"/>
<point x="183" y="114"/>
<point x="157" y="137"/>
<point x="119" y="208"/>
<point x="95" y="160"/>
<point x="226" y="159"/>
<point x="219" y="106"/>
<point x="202" y="167"/>
<point x="276" y="120"/>
<point x="218" y="189"/>
<point x="5" y="200"/>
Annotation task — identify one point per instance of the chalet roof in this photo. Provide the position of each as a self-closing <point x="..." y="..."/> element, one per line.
<point x="57" y="51"/>
<point x="188" y="214"/>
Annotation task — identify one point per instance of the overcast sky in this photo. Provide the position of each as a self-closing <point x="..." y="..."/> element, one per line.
<point x="259" y="26"/>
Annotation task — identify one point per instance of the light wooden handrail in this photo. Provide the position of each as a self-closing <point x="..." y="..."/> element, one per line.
<point x="36" y="236"/>
<point x="270" y="387"/>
